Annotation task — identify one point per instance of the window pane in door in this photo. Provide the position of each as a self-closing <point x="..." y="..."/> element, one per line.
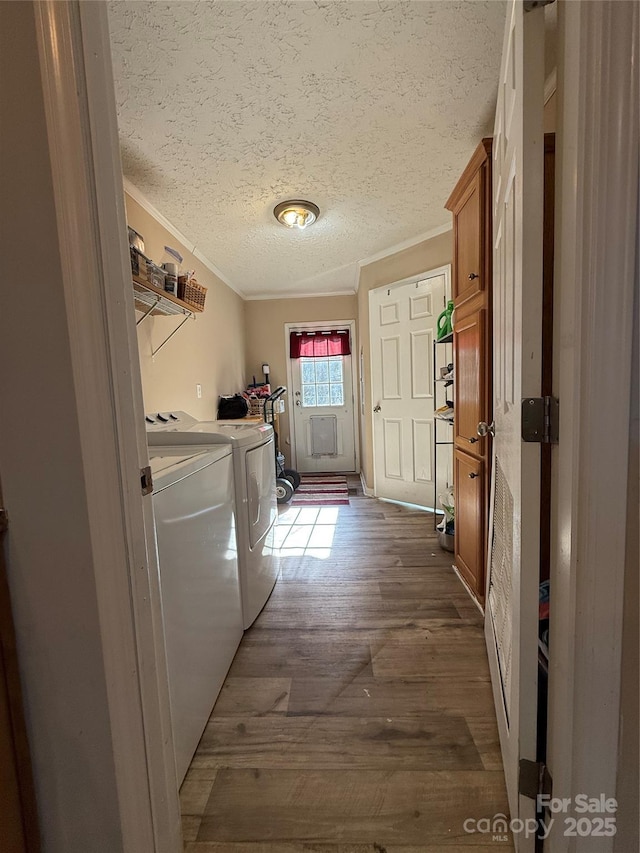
<point x="337" y="394"/>
<point x="308" y="371"/>
<point x="322" y="370"/>
<point x="308" y="395"/>
<point x="321" y="381"/>
<point x="323" y="395"/>
<point x="335" y="369"/>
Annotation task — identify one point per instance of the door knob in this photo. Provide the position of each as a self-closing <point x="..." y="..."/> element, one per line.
<point x="377" y="408"/>
<point x="485" y="428"/>
<point x="297" y="393"/>
<point x="298" y="403"/>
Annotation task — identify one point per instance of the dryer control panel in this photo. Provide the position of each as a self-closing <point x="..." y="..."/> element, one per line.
<point x="163" y="421"/>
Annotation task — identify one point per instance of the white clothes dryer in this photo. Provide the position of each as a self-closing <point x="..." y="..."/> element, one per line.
<point x="199" y="584"/>
<point x="253" y="451"/>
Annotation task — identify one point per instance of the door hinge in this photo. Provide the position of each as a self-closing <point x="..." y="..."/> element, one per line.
<point x="541" y="419"/>
<point x="530" y="5"/>
<point x="534" y="779"/>
<point x="146" y="480"/>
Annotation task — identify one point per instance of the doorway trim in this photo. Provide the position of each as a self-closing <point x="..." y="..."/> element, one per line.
<point x="79" y="101"/>
<point x="596" y="240"/>
<point x="412" y="279"/>
<point x="310" y="326"/>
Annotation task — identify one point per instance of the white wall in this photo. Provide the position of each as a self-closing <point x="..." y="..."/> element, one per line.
<point x="209" y="351"/>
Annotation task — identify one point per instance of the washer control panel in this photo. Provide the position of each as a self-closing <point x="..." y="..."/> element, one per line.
<point x="163" y="421"/>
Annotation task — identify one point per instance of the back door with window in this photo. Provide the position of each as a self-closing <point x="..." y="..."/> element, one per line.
<point x="323" y="417"/>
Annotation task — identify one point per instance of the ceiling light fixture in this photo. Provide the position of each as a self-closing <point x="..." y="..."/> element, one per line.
<point x="296" y="213"/>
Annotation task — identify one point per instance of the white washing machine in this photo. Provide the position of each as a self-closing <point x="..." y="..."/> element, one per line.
<point x="256" y="507"/>
<point x="194" y="511"/>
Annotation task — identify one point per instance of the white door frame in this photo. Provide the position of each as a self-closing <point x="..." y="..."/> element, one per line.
<point x="596" y="205"/>
<point x="79" y="100"/>
<point x="412" y="279"/>
<point x="596" y="263"/>
<point x="310" y="326"/>
<point x="518" y="208"/>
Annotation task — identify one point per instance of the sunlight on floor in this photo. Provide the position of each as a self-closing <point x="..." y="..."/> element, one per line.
<point x="306" y="531"/>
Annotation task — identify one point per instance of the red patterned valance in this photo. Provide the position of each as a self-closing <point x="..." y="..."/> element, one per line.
<point x="319" y="344"/>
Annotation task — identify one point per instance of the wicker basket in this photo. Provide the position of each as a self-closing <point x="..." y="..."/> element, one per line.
<point x="256" y="406"/>
<point x="192" y="293"/>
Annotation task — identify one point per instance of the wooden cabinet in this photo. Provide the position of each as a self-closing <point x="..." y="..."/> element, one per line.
<point x="470" y="398"/>
<point x="470" y="204"/>
<point x="468" y="279"/>
<point x="469" y="476"/>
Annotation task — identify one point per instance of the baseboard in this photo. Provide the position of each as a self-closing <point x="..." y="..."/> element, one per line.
<point x="468" y="589"/>
<point x="365" y="489"/>
<point x="412" y="506"/>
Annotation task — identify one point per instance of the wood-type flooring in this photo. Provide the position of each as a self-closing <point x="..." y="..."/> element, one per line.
<point x="357" y="716"/>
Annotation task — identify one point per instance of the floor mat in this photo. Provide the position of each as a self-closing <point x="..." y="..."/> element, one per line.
<point x="321" y="490"/>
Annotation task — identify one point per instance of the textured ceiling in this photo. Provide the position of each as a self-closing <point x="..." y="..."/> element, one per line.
<point x="369" y="109"/>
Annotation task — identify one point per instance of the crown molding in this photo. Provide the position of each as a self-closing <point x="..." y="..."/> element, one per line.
<point x="257" y="297"/>
<point x="139" y="197"/>
<point x="407" y="244"/>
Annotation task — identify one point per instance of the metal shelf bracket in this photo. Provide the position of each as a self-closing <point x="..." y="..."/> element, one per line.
<point x="148" y="311"/>
<point x="168" y="338"/>
<point x="157" y="302"/>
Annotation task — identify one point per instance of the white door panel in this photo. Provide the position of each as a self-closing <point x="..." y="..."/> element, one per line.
<point x="392" y="436"/>
<point x="511" y="621"/>
<point x="403" y="325"/>
<point x="390" y="365"/>
<point x="421" y="306"/>
<point x="422" y="457"/>
<point x="422" y="364"/>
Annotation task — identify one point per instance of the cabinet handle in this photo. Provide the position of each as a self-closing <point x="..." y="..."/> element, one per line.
<point x="472" y="476"/>
<point x="473" y="275"/>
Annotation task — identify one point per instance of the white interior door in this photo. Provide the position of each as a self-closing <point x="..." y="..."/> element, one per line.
<point x="323" y="414"/>
<point x="511" y="621"/>
<point x="402" y="322"/>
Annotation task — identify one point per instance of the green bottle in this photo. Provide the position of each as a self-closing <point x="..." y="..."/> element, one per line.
<point x="444" y="326"/>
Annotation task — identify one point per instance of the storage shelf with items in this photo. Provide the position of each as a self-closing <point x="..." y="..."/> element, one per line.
<point x="162" y="291"/>
<point x="153" y="301"/>
<point x="156" y="302"/>
<point x="443" y="380"/>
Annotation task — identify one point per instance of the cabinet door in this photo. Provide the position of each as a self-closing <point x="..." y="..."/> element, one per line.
<point x="468" y="224"/>
<point x="470" y="389"/>
<point x="469" y="479"/>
